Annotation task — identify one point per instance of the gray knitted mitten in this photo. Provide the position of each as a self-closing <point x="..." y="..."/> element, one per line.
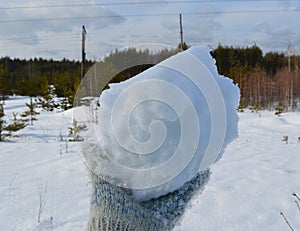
<point x="114" y="208"/>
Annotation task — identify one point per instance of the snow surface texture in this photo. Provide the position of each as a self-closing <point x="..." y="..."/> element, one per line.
<point x="253" y="182"/>
<point x="160" y="128"/>
<point x="39" y="156"/>
<point x="247" y="188"/>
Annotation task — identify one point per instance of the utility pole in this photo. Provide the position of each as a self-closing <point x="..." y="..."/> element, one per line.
<point x="83" y="52"/>
<point x="289" y="50"/>
<point x="296" y="61"/>
<point x="181" y="33"/>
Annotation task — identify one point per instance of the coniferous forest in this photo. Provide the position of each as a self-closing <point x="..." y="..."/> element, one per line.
<point x="267" y="81"/>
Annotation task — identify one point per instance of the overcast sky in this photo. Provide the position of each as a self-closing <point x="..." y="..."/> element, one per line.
<point x="52" y="29"/>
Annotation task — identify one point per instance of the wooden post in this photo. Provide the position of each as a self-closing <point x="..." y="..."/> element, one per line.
<point x="83" y="52"/>
<point x="289" y="50"/>
<point x="181" y="33"/>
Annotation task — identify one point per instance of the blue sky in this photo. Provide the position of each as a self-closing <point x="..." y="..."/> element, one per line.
<point x="52" y="29"/>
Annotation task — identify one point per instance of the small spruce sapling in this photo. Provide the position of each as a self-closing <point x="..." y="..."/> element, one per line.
<point x="46" y="103"/>
<point x="16" y="125"/>
<point x="31" y="112"/>
<point x="75" y="131"/>
<point x="6" y="131"/>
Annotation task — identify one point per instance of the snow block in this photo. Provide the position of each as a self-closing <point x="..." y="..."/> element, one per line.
<point x="158" y="134"/>
<point x="162" y="127"/>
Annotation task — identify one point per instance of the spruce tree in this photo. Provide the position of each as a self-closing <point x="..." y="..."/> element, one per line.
<point x="47" y="102"/>
<point x="16" y="126"/>
<point x="6" y="131"/>
<point x="31" y="112"/>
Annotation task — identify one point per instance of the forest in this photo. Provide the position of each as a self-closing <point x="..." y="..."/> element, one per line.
<point x="267" y="81"/>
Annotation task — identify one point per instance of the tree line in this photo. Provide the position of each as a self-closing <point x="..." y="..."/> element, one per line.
<point x="34" y="76"/>
<point x="266" y="81"/>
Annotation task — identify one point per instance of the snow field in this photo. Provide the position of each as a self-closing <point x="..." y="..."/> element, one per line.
<point x="35" y="159"/>
<point x="247" y="190"/>
<point x="254" y="180"/>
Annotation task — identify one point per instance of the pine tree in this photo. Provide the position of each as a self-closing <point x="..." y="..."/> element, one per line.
<point x="31" y="112"/>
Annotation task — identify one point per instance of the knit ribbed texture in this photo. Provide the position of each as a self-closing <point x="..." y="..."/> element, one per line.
<point x="113" y="208"/>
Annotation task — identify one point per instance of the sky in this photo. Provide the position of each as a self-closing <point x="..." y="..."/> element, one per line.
<point x="52" y="28"/>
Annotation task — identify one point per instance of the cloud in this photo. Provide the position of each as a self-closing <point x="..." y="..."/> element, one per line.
<point x="262" y="27"/>
<point x="33" y="21"/>
<point x="50" y="31"/>
<point x="203" y="31"/>
<point x="285" y="3"/>
<point x="276" y="38"/>
<point x="115" y="29"/>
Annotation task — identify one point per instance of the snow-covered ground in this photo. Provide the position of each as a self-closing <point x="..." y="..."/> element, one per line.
<point x="38" y="158"/>
<point x="253" y="182"/>
<point x="247" y="190"/>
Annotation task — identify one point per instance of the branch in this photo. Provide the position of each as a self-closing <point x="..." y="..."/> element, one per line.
<point x="286" y="221"/>
<point x="295" y="195"/>
<point x="297" y="205"/>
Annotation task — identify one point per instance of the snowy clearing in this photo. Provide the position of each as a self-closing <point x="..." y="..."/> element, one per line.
<point x="247" y="190"/>
<point x="39" y="157"/>
<point x="254" y="180"/>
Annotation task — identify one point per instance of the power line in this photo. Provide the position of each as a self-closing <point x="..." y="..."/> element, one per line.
<point x="152" y="15"/>
<point x="127" y="3"/>
<point x="70" y="41"/>
<point x="66" y="35"/>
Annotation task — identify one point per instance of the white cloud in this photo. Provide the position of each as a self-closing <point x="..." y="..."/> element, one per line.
<point x="31" y="26"/>
<point x="62" y="38"/>
<point x="34" y="20"/>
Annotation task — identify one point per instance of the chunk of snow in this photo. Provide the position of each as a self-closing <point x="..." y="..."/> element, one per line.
<point x="160" y="128"/>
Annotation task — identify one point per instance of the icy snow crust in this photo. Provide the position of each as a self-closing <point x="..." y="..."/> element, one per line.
<point x="160" y="128"/>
